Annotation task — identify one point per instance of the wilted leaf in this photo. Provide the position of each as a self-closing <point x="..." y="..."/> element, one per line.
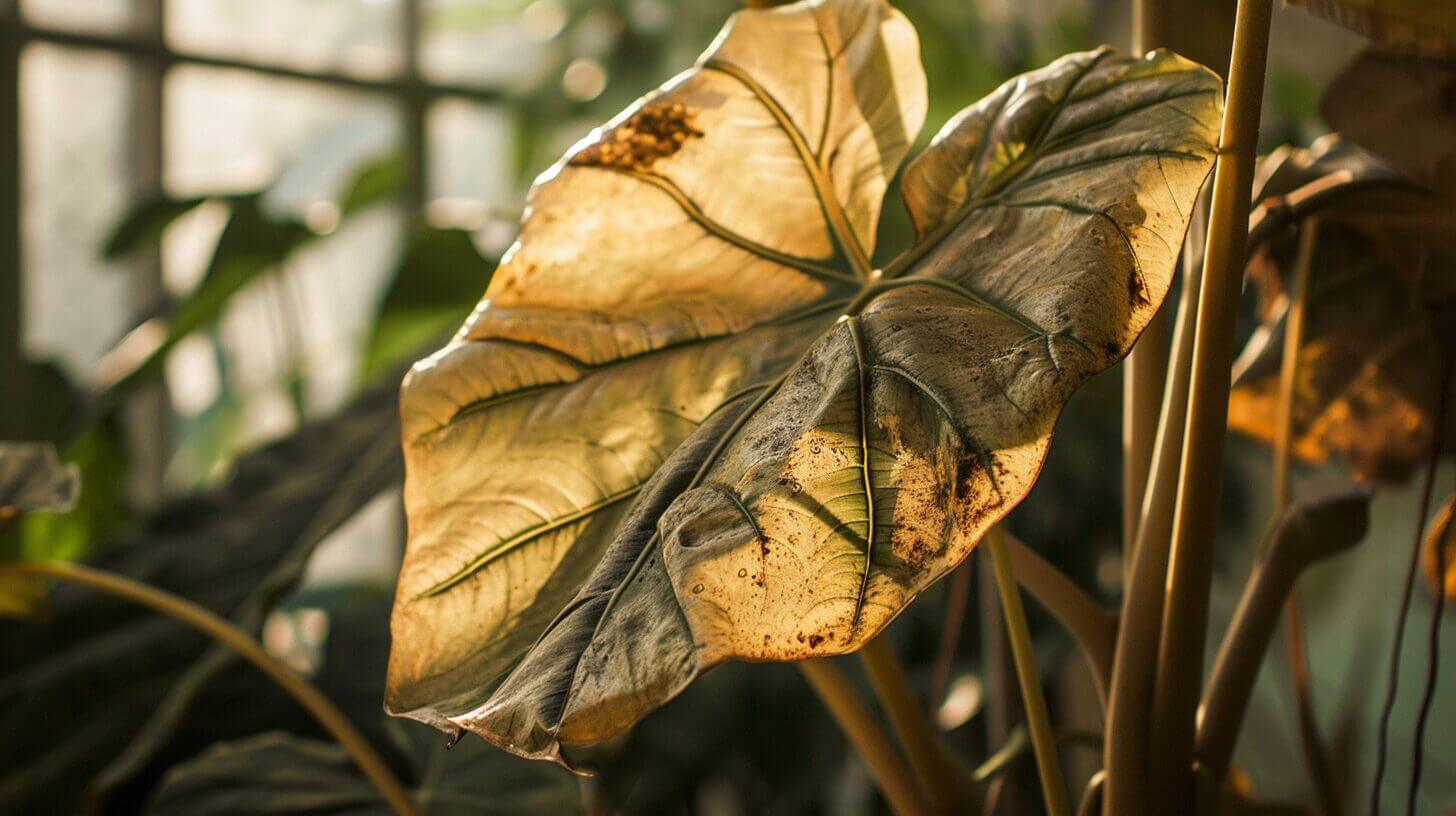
<point x="1420" y="24"/>
<point x="99" y="676"/>
<point x="274" y="774"/>
<point x="32" y="478"/>
<point x="1400" y="107"/>
<point x="1438" y="557"/>
<point x="439" y="275"/>
<point x="1370" y="356"/>
<point x="668" y="332"/>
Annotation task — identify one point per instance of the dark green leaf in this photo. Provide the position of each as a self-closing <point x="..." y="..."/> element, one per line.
<point x="439" y="278"/>
<point x="101" y="676"/>
<point x="276" y="774"/>
<point x="145" y="223"/>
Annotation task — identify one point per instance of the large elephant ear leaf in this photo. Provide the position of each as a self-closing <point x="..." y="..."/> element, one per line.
<point x="673" y="262"/>
<point x="799" y="522"/>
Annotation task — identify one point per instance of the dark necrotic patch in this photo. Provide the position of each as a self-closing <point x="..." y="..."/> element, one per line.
<point x="650" y="135"/>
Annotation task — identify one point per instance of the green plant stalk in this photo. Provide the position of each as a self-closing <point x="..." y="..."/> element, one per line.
<point x="1043" y="741"/>
<point x="864" y="733"/>
<point x="1291" y="548"/>
<point x="1145" y="371"/>
<point x="1003" y="709"/>
<point x="1135" y="652"/>
<point x="1089" y="625"/>
<point x="921" y="741"/>
<point x="958" y="595"/>
<point x="214" y="626"/>
<point x="1316" y="755"/>
<point x="1185" y="615"/>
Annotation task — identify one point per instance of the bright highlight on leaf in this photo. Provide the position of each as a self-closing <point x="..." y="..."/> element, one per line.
<point x="1438" y="556"/>
<point x="689" y="424"/>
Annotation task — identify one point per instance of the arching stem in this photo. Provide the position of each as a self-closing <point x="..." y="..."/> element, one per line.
<point x="1316" y="756"/>
<point x="214" y="626"/>
<point x="864" y="733"/>
<point x="922" y="743"/>
<point x="1190" y="574"/>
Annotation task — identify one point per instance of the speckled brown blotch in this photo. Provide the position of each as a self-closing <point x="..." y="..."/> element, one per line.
<point x="653" y="133"/>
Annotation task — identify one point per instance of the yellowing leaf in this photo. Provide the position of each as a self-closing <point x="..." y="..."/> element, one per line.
<point x="687" y="424"/>
<point x="1438" y="556"/>
<point x="1370" y="355"/>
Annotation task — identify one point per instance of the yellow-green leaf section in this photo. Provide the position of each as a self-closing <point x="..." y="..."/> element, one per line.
<point x="671" y="263"/>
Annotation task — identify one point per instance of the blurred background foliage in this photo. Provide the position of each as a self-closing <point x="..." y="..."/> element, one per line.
<point x="215" y="342"/>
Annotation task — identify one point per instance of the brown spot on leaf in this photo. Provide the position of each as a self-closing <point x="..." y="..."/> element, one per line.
<point x="653" y="133"/>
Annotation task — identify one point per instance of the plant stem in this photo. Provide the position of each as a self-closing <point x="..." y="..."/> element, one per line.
<point x="1090" y="626"/>
<point x="205" y="621"/>
<point x="864" y="733"/>
<point x="1315" y="754"/>
<point x="1043" y="741"/>
<point x="1297" y="540"/>
<point x="917" y="736"/>
<point x="1144" y="373"/>
<point x="1135" y="654"/>
<point x="1393" y="682"/>
<point x="1185" y="615"/>
<point x="1003" y="706"/>
<point x="1144" y="376"/>
<point x="1433" y="664"/>
<point x="957" y="598"/>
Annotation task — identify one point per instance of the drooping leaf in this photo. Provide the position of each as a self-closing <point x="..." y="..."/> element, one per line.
<point x="146" y="222"/>
<point x="33" y="479"/>
<point x="1369" y="364"/>
<point x="277" y="774"/>
<point x="252" y="243"/>
<point x="102" y="681"/>
<point x="376" y="181"/>
<point x="439" y="275"/>
<point x="1438" y="556"/>
<point x="1418" y="24"/>
<point x="687" y="323"/>
<point x="1402" y="108"/>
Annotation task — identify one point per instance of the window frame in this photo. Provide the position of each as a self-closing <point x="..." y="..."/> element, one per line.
<point x="145" y="49"/>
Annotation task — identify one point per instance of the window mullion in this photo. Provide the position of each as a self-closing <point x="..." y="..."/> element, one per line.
<point x="14" y="386"/>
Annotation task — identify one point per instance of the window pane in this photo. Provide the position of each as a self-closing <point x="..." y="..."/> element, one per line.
<point x="507" y="45"/>
<point x="358" y="37"/>
<point x="303" y="143"/>
<point x="230" y="130"/>
<point x="75" y="110"/>
<point x="109" y="16"/>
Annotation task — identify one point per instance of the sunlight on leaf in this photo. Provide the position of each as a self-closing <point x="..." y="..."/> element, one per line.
<point x="688" y="424"/>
